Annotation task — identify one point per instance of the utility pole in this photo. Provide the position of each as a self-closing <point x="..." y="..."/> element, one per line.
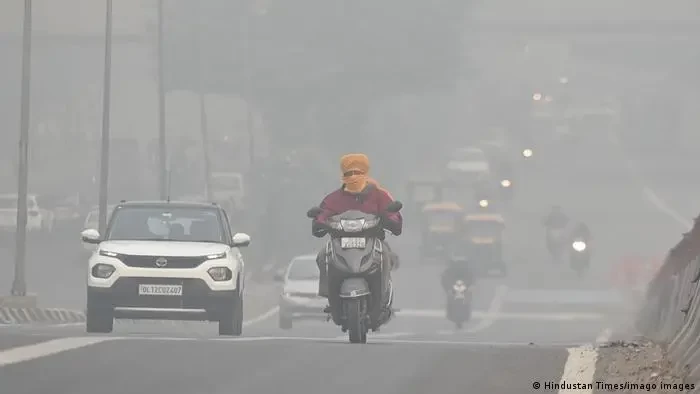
<point x="204" y="128"/>
<point x="162" y="150"/>
<point x="247" y="76"/>
<point x="203" y="124"/>
<point x="106" y="95"/>
<point x="19" y="285"/>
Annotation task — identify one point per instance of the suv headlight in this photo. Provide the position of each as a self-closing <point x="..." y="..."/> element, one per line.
<point x="216" y="256"/>
<point x="107" y="253"/>
<point x="220" y="274"/>
<point x="102" y="271"/>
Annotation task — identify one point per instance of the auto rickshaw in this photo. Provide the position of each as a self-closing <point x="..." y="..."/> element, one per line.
<point x="483" y="234"/>
<point x="440" y="228"/>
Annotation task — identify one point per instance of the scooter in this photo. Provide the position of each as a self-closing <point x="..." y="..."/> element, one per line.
<point x="353" y="257"/>
<point x="459" y="304"/>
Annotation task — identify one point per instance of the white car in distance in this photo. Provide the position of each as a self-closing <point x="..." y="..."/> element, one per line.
<point x="299" y="298"/>
<point x="38" y="219"/>
<point x="168" y="261"/>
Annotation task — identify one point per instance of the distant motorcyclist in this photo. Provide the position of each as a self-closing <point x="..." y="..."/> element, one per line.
<point x="556" y="223"/>
<point x="555" y="219"/>
<point x="582" y="231"/>
<point x="456" y="270"/>
<point x="358" y="192"/>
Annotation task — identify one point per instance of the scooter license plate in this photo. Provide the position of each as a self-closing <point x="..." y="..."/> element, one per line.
<point x="353" y="243"/>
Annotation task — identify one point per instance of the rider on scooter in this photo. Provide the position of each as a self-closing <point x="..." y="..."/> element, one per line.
<point x="458" y="268"/>
<point x="358" y="192"/>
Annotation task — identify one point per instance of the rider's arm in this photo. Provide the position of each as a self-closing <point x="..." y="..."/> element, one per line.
<point x="394" y="220"/>
<point x="326" y="209"/>
<point x="317" y="228"/>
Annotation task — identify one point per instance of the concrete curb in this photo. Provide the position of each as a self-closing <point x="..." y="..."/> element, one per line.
<point x="40" y="315"/>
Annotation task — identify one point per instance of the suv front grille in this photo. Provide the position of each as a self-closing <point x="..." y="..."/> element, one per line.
<point x="172" y="261"/>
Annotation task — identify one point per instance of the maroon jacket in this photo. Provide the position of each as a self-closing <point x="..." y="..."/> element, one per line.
<point x="371" y="200"/>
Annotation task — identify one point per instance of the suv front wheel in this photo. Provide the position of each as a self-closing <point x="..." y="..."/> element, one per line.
<point x="98" y="320"/>
<point x="231" y="319"/>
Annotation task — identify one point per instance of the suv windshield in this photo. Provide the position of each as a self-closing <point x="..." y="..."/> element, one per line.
<point x="183" y="224"/>
<point x="303" y="269"/>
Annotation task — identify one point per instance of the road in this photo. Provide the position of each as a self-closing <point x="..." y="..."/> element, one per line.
<point x="523" y="328"/>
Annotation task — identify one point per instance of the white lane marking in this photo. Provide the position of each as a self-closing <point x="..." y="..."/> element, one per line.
<point x="380" y="335"/>
<point x="440" y="314"/>
<point x="579" y="368"/>
<point x="388" y="341"/>
<point x="663" y="207"/>
<point x="48" y="348"/>
<point x="260" y="318"/>
<point x="494" y="309"/>
<point x="604" y="336"/>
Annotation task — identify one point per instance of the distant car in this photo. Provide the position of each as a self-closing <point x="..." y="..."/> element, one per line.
<point x="166" y="260"/>
<point x="469" y="165"/>
<point x="299" y="298"/>
<point x="38" y="219"/>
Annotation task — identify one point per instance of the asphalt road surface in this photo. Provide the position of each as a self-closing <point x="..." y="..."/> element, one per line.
<point x="522" y="329"/>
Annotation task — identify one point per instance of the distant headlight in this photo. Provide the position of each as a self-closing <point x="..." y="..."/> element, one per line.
<point x="220" y="274"/>
<point x="484" y="203"/>
<point x="102" y="271"/>
<point x="505" y="183"/>
<point x="579" y="246"/>
<point x="527" y="152"/>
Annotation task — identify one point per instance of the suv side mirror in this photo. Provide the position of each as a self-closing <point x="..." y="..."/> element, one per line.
<point x="240" y="240"/>
<point x="394" y="206"/>
<point x="90" y="236"/>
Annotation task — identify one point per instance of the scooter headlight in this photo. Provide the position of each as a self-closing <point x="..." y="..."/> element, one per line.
<point x="483" y="203"/>
<point x="459" y="287"/>
<point x="579" y="246"/>
<point x="527" y="152"/>
<point x="505" y="183"/>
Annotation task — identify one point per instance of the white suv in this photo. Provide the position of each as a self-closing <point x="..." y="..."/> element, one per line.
<point x="166" y="260"/>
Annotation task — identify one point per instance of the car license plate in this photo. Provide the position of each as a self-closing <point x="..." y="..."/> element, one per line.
<point x="353" y="243"/>
<point x="161" y="290"/>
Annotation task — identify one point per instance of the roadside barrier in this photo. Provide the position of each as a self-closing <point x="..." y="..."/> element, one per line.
<point x="40" y="315"/>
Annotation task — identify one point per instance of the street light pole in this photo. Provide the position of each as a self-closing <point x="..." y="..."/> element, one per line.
<point x="19" y="285"/>
<point x="106" y="95"/>
<point x="162" y="151"/>
<point x="247" y="76"/>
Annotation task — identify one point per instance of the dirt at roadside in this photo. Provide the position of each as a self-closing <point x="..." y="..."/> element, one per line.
<point x="637" y="362"/>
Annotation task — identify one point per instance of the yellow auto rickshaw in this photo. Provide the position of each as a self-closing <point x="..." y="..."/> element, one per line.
<point x="441" y="226"/>
<point x="483" y="234"/>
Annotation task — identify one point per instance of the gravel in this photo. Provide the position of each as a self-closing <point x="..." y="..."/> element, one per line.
<point x="637" y="362"/>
